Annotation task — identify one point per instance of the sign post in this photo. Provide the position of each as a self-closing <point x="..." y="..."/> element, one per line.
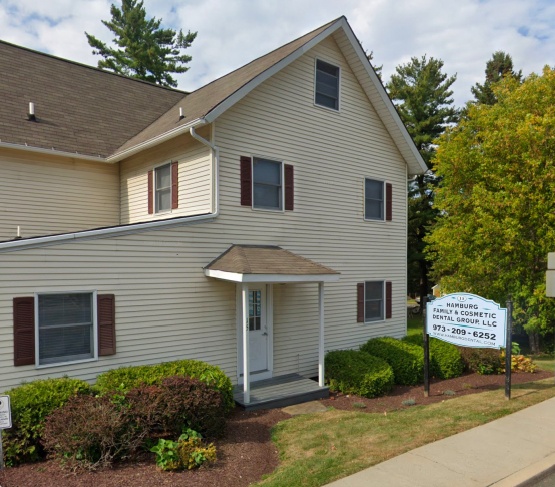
<point x="426" y="351"/>
<point x="509" y="350"/>
<point x="468" y="320"/>
<point x="5" y="422"/>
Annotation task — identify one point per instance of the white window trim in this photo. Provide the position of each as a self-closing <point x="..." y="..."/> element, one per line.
<point x="384" y="298"/>
<point x="94" y="358"/>
<point x="154" y="206"/>
<point x="377" y="220"/>
<point x="273" y="210"/>
<point x="332" y="63"/>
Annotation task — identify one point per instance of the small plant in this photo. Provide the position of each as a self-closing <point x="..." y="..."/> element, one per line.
<point x="515" y="348"/>
<point x="359" y="405"/>
<point x="187" y="452"/>
<point x="449" y="392"/>
<point x="409" y="402"/>
<point x="467" y="386"/>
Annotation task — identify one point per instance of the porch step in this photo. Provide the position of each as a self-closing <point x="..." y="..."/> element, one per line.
<point x="279" y="392"/>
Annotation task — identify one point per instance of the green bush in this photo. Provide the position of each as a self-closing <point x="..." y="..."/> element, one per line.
<point x="31" y="403"/>
<point x="445" y="359"/>
<point x="354" y="372"/>
<point x="127" y="378"/>
<point x="406" y="359"/>
<point x="484" y="361"/>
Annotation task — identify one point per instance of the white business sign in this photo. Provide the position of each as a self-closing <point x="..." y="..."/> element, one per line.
<point x="467" y="320"/>
<point x="5" y="412"/>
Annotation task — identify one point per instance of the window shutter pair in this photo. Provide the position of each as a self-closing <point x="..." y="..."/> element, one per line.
<point x="360" y="301"/>
<point x="246" y="184"/>
<point x="175" y="188"/>
<point x="24" y="327"/>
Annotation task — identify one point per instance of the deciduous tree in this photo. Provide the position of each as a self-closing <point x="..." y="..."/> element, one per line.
<point x="144" y="49"/>
<point x="497" y="200"/>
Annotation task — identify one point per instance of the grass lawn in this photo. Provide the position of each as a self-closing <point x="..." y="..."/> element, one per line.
<point x="319" y="448"/>
<point x="545" y="361"/>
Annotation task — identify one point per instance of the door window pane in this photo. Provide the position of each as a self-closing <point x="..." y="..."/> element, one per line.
<point x="254" y="310"/>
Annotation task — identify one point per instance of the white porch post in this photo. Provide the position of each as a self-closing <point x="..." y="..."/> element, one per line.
<point x="321" y="339"/>
<point x="245" y="323"/>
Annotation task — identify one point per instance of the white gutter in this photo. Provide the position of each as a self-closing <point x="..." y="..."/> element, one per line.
<point x="52" y="152"/>
<point x="14" y="245"/>
<point x="215" y="169"/>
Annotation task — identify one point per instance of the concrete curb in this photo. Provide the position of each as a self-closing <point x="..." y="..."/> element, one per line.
<point x="530" y="475"/>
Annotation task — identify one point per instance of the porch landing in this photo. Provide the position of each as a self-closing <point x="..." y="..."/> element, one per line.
<point x="279" y="392"/>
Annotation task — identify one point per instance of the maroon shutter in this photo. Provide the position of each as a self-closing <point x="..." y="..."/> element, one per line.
<point x="150" y="193"/>
<point x="246" y="181"/>
<point x="360" y="302"/>
<point x="24" y="330"/>
<point x="388" y="306"/>
<point x="289" y="187"/>
<point x="388" y="202"/>
<point x="106" y="309"/>
<point x="175" y="188"/>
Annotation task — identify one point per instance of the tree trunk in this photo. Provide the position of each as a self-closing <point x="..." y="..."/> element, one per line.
<point x="534" y="341"/>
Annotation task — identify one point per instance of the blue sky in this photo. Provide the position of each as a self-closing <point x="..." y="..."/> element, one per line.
<point x="463" y="33"/>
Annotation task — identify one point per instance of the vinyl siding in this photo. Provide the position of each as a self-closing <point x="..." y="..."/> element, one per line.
<point x="167" y="309"/>
<point x="194" y="175"/>
<point x="47" y="195"/>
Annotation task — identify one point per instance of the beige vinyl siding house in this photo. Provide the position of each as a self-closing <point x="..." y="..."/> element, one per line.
<point x="273" y="251"/>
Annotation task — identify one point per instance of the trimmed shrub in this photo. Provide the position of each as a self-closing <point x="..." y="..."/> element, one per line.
<point x="127" y="378"/>
<point x="91" y="432"/>
<point x="445" y="359"/>
<point x="485" y="361"/>
<point x="31" y="403"/>
<point x="406" y="359"/>
<point x="354" y="372"/>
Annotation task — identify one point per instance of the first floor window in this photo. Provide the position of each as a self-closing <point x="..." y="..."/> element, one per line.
<point x="373" y="199"/>
<point x="267" y="184"/>
<point x="373" y="300"/>
<point x="65" y="327"/>
<point x="163" y="188"/>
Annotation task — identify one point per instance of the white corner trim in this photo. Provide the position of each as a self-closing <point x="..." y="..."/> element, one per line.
<point x="270" y="278"/>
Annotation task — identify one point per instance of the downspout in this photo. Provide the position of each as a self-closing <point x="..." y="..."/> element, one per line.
<point x="215" y="167"/>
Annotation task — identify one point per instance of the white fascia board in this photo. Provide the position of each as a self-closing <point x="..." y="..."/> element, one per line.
<point x="270" y="278"/>
<point x="170" y="134"/>
<point x="15" y="245"/>
<point x="53" y="152"/>
<point x="251" y="85"/>
<point x="384" y="96"/>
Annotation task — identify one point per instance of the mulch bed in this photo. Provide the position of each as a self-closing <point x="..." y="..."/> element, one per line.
<point x="247" y="452"/>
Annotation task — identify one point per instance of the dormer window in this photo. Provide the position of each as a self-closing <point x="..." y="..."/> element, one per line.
<point x="327" y="85"/>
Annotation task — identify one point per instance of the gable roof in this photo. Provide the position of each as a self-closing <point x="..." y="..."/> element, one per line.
<point x="137" y="115"/>
<point x="79" y="109"/>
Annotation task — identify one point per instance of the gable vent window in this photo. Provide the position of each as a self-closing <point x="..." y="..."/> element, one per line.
<point x="327" y="85"/>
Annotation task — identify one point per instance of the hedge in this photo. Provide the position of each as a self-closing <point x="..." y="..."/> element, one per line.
<point x="445" y="358"/>
<point x="126" y="378"/>
<point x="354" y="372"/>
<point x="406" y="359"/>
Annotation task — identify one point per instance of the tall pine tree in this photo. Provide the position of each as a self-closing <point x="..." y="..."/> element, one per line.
<point x="144" y="49"/>
<point x="500" y="65"/>
<point x="422" y="95"/>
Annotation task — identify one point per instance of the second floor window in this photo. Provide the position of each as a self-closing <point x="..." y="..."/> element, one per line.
<point x="267" y="184"/>
<point x="373" y="199"/>
<point x="163" y="188"/>
<point x="327" y="85"/>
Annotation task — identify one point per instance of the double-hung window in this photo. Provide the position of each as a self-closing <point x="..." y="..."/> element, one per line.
<point x="66" y="327"/>
<point x="267" y="184"/>
<point x="373" y="301"/>
<point x="163" y="188"/>
<point x="373" y="199"/>
<point x="326" y="93"/>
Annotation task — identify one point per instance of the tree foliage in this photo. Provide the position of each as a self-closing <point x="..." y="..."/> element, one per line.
<point x="499" y="66"/>
<point x="497" y="200"/>
<point x="423" y="96"/>
<point x="144" y="49"/>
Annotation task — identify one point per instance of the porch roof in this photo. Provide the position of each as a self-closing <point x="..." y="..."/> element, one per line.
<point x="267" y="263"/>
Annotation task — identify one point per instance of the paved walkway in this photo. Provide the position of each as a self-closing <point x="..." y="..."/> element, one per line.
<point x="507" y="452"/>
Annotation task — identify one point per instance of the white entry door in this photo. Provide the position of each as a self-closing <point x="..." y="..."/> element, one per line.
<point x="259" y="334"/>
